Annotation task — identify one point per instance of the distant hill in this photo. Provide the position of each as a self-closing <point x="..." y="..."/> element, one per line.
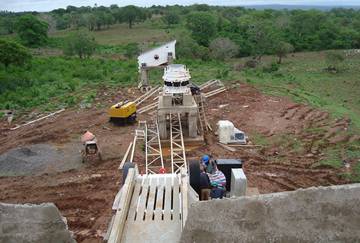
<point x="304" y="7"/>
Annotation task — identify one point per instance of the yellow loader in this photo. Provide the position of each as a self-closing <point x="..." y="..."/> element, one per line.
<point x="123" y="112"/>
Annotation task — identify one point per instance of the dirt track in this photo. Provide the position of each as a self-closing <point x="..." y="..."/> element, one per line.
<point x="85" y="196"/>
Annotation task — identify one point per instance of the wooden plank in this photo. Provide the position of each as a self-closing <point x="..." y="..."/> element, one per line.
<point x="151" y="201"/>
<point x="159" y="198"/>
<point x="120" y="216"/>
<point x="176" y="198"/>
<point x="135" y="199"/>
<point x="133" y="149"/>
<point x="142" y="200"/>
<point x="227" y="147"/>
<point x="125" y="156"/>
<point x="184" y="198"/>
<point x="167" y="208"/>
<point x="245" y="145"/>
<point x="39" y="119"/>
<point x="117" y="199"/>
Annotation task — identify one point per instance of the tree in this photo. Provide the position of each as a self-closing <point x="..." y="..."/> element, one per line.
<point x="171" y="18"/>
<point x="131" y="14"/>
<point x="223" y="48"/>
<point x="31" y="30"/>
<point x="202" y="26"/>
<point x="334" y="61"/>
<point x="80" y="43"/>
<point x="13" y="53"/>
<point x="262" y="37"/>
<point x="282" y="48"/>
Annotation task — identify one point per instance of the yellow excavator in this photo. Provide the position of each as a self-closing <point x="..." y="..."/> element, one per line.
<point x="123" y="112"/>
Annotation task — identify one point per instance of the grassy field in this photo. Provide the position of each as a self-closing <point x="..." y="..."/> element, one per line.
<point x="303" y="78"/>
<point x="120" y="34"/>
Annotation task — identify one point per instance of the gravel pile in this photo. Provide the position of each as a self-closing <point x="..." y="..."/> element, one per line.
<point x="39" y="159"/>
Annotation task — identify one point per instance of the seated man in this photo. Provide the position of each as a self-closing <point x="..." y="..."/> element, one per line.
<point x="205" y="187"/>
<point x="217" y="181"/>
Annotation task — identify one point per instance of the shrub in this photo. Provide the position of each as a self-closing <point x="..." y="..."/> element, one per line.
<point x="13" y="53"/>
<point x="273" y="67"/>
<point x="334" y="61"/>
<point x="202" y="26"/>
<point x="131" y="50"/>
<point x="32" y="31"/>
<point x="80" y="43"/>
<point x="223" y="48"/>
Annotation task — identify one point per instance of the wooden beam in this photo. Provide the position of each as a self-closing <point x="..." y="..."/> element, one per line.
<point x="227" y="147"/>
<point x="125" y="156"/>
<point x="124" y="204"/>
<point x="39" y="119"/>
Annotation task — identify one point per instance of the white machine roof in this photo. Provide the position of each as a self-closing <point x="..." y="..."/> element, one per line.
<point x="157" y="56"/>
<point x="176" y="73"/>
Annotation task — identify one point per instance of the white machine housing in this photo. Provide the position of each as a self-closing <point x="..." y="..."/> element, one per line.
<point x="228" y="133"/>
<point x="157" y="56"/>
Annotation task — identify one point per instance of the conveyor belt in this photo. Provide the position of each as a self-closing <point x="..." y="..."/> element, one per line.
<point x="155" y="212"/>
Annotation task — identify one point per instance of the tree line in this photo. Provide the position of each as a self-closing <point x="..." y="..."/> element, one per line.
<point x="207" y="31"/>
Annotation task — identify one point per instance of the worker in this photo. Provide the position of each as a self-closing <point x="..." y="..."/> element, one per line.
<point x="217" y="181"/>
<point x="205" y="187"/>
<point x="205" y="162"/>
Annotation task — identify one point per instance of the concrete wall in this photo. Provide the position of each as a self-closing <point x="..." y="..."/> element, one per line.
<point x="32" y="223"/>
<point x="323" y="214"/>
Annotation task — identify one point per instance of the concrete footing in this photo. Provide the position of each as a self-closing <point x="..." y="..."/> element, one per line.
<point x="323" y="214"/>
<point x="33" y="223"/>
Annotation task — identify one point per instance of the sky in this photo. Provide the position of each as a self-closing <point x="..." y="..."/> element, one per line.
<point x="48" y="5"/>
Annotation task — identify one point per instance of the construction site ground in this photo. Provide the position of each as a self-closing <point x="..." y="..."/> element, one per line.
<point x="84" y="193"/>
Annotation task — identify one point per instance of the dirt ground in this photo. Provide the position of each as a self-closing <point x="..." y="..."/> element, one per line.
<point x="85" y="195"/>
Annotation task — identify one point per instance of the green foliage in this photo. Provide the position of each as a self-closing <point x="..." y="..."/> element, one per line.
<point x="202" y="26"/>
<point x="2" y="114"/>
<point x="189" y="48"/>
<point x="131" y="50"/>
<point x="61" y="81"/>
<point x="13" y="53"/>
<point x="273" y="67"/>
<point x="32" y="31"/>
<point x="223" y="48"/>
<point x="171" y="18"/>
<point x="282" y="49"/>
<point x="80" y="43"/>
<point x="334" y="60"/>
<point x="131" y="14"/>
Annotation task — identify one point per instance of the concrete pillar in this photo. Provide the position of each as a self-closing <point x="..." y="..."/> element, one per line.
<point x="238" y="183"/>
<point x="192" y="124"/>
<point x="162" y="126"/>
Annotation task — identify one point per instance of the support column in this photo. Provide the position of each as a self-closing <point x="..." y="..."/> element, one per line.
<point x="162" y="126"/>
<point x="192" y="124"/>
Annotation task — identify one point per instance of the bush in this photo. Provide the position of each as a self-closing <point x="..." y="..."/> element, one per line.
<point x="188" y="48"/>
<point x="223" y="48"/>
<point x="334" y="61"/>
<point x="273" y="67"/>
<point x="32" y="31"/>
<point x="131" y="50"/>
<point x="13" y="53"/>
<point x="80" y="43"/>
<point x="202" y="26"/>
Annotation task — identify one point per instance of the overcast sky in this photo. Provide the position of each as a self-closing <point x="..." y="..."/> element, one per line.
<point x="47" y="5"/>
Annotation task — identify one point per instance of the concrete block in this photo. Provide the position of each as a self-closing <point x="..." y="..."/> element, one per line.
<point x="238" y="183"/>
<point x="33" y="223"/>
<point x="318" y="214"/>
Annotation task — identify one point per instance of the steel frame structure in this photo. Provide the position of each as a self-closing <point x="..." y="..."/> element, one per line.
<point x="177" y="149"/>
<point x="153" y="155"/>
